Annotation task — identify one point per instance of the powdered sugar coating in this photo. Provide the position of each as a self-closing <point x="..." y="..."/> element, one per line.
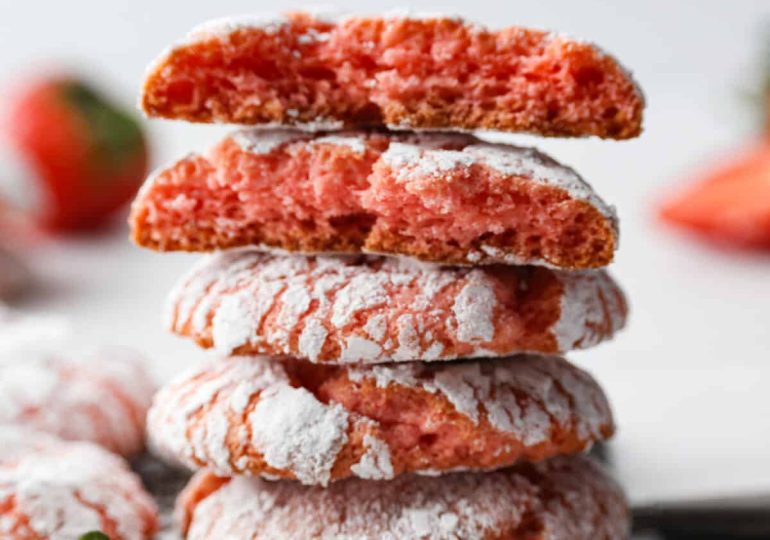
<point x="591" y="300"/>
<point x="223" y="27"/>
<point x="376" y="463"/>
<point x="374" y="310"/>
<point x="417" y="161"/>
<point x="57" y="490"/>
<point x="99" y="395"/>
<point x="294" y="431"/>
<point x="265" y="141"/>
<point x="561" y="498"/>
<point x="352" y="141"/>
<point x="220" y="416"/>
<point x="274" y="418"/>
<point x="490" y="388"/>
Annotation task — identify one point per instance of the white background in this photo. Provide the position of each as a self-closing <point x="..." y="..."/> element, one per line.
<point x="688" y="379"/>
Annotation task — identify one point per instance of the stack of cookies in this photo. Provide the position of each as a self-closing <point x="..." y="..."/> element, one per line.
<point x="418" y="392"/>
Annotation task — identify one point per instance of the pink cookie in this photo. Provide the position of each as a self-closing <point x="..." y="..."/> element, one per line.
<point x="292" y="419"/>
<point x="101" y="396"/>
<point x="399" y="70"/>
<point x="374" y="310"/>
<point x="54" y="489"/>
<point x="563" y="498"/>
<point x="442" y="198"/>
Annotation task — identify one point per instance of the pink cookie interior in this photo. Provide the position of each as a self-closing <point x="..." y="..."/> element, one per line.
<point x="424" y="72"/>
<point x="355" y="192"/>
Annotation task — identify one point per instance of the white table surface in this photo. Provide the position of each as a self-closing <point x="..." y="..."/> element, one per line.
<point x="687" y="378"/>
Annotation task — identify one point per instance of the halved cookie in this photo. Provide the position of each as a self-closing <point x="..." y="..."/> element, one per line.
<point x="374" y="310"/>
<point x="291" y="419"/>
<point x="445" y="198"/>
<point x="393" y="70"/>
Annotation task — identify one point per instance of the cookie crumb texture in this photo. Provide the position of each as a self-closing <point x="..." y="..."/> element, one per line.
<point x="54" y="489"/>
<point x="373" y="310"/>
<point x="290" y="419"/>
<point x="445" y="198"/>
<point x="101" y="395"/>
<point x="395" y="71"/>
<point x="561" y="498"/>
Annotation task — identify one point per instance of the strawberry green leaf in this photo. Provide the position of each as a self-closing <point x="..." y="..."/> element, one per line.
<point x="115" y="136"/>
<point x="94" y="535"/>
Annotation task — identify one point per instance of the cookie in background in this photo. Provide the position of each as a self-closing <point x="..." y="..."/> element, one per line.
<point x="51" y="488"/>
<point x="52" y="383"/>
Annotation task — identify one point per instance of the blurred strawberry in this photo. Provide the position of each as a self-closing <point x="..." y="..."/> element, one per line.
<point x="730" y="203"/>
<point x="88" y="156"/>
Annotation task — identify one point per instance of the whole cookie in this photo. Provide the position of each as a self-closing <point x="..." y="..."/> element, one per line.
<point x="292" y="419"/>
<point x="563" y="498"/>
<point x="97" y="395"/>
<point x="59" y="490"/>
<point x="398" y="70"/>
<point x="446" y="198"/>
<point x="374" y="310"/>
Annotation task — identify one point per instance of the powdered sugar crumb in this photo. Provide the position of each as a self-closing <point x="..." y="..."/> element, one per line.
<point x="353" y="142"/>
<point x="312" y="339"/>
<point x="295" y="431"/>
<point x="359" y="349"/>
<point x="376" y="326"/>
<point x="375" y="464"/>
<point x="265" y="141"/>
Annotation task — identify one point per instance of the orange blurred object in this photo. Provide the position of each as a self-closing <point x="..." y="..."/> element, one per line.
<point x="88" y="157"/>
<point x="731" y="203"/>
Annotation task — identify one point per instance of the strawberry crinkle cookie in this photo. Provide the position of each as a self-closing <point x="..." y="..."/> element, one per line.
<point x="101" y="395"/>
<point x="567" y="497"/>
<point x="292" y="419"/>
<point x="374" y="310"/>
<point x="397" y="71"/>
<point x="59" y="490"/>
<point x="445" y="198"/>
